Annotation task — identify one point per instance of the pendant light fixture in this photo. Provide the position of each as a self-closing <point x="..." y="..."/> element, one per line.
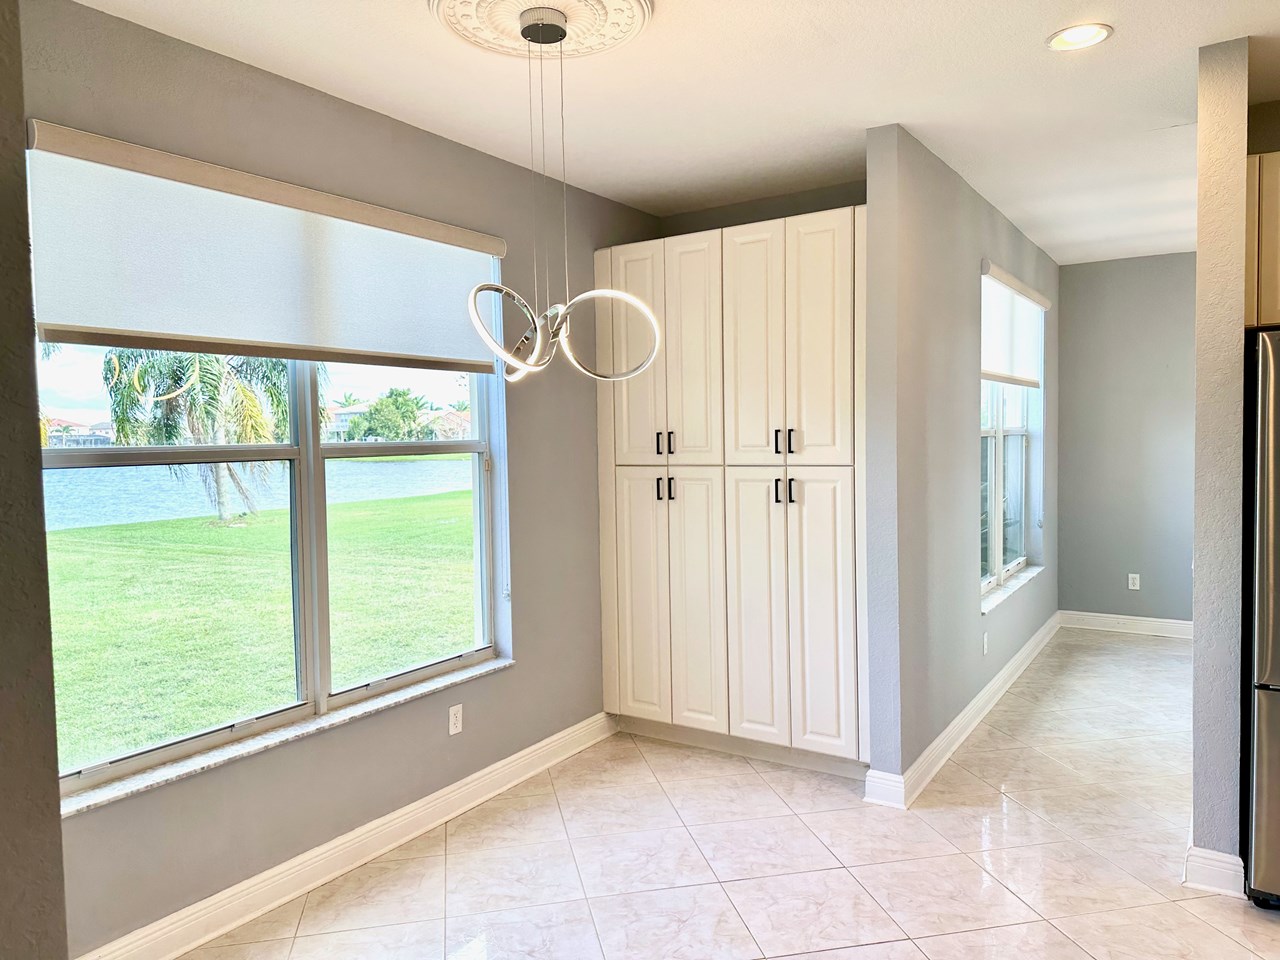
<point x="548" y="34"/>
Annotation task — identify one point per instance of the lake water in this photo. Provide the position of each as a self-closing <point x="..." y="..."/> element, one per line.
<point x="96" y="496"/>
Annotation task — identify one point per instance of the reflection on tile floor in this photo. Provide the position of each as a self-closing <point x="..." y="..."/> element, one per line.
<point x="1057" y="831"/>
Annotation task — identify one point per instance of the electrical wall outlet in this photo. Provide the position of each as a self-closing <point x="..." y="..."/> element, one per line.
<point x="985" y="638"/>
<point x="455" y="719"/>
<point x="1134" y="582"/>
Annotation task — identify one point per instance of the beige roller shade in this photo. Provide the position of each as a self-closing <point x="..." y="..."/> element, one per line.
<point x="135" y="246"/>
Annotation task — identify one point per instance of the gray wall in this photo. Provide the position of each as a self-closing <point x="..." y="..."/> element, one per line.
<point x="32" y="915"/>
<point x="1216" y="596"/>
<point x="768" y="208"/>
<point x="141" y="858"/>
<point x="1126" y="367"/>
<point x="927" y="234"/>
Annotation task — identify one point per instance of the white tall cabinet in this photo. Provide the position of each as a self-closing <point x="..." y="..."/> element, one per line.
<point x="728" y="484"/>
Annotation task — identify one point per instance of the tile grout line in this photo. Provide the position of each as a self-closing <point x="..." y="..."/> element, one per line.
<point x="573" y="854"/>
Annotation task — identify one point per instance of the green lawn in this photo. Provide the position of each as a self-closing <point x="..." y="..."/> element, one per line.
<point x="167" y="628"/>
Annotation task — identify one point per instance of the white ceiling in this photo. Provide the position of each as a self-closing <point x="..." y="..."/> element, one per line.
<point x="1092" y="154"/>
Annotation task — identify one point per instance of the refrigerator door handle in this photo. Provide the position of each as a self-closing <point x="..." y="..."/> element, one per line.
<point x="1266" y="617"/>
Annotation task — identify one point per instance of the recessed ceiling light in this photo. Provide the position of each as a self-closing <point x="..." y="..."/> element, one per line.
<point x="1078" y="37"/>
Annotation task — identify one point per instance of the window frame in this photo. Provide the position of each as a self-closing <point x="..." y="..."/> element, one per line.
<point x="308" y="455"/>
<point x="996" y="499"/>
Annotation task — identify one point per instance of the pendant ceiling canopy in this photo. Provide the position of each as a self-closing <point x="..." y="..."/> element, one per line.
<point x="591" y="26"/>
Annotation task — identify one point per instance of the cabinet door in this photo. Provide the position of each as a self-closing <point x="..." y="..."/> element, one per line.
<point x="639" y="404"/>
<point x="693" y="348"/>
<point x="756" y="573"/>
<point x="1251" y="213"/>
<point x="820" y="602"/>
<point x="699" y="664"/>
<point x="644" y="602"/>
<point x="819" y="352"/>
<point x="755" y="341"/>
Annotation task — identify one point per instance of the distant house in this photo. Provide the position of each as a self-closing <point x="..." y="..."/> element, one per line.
<point x="450" y="424"/>
<point x="69" y="433"/>
<point x="339" y="420"/>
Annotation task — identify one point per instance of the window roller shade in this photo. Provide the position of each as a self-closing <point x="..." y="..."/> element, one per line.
<point x="1012" y="336"/>
<point x="121" y="256"/>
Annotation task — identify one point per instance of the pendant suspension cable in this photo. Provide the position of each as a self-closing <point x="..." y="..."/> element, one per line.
<point x="564" y="177"/>
<point x="542" y="116"/>
<point x="533" y="177"/>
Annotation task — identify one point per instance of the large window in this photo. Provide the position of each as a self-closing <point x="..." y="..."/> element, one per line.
<point x="1011" y="409"/>
<point x="236" y="542"/>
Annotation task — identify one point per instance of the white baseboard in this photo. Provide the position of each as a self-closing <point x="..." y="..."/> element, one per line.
<point x="1151" y="626"/>
<point x="187" y="929"/>
<point x="892" y="790"/>
<point x="1216" y="872"/>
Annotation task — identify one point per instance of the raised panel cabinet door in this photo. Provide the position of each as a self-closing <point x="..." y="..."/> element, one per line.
<point x="1251" y="210"/>
<point x="756" y="578"/>
<point x="755" y="341"/>
<point x="694" y="352"/>
<point x="819" y="351"/>
<point x="699" y="643"/>
<point x="644" y="600"/>
<point x="639" y="404"/>
<point x="1269" y="239"/>
<point x="820" y="602"/>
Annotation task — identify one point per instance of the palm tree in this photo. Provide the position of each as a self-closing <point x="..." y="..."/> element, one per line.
<point x="64" y="431"/>
<point x="348" y="400"/>
<point x="162" y="398"/>
<point x="460" y="405"/>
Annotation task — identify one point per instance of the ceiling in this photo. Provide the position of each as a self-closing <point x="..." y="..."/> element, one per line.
<point x="1091" y="153"/>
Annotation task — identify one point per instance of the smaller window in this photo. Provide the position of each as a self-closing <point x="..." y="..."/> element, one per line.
<point x="1010" y="398"/>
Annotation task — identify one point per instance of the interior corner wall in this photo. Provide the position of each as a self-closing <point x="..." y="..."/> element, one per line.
<point x="849" y="194"/>
<point x="141" y="858"/>
<point x="928" y="232"/>
<point x="32" y="908"/>
<point x="1222" y="145"/>
<point x="1264" y="127"/>
<point x="1126" y="373"/>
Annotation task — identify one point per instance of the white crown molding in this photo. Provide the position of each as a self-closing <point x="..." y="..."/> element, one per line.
<point x="1215" y="872"/>
<point x="180" y="932"/>
<point x="1149" y="626"/>
<point x="892" y="790"/>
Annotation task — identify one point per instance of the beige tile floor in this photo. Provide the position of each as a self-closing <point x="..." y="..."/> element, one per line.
<point x="1056" y="832"/>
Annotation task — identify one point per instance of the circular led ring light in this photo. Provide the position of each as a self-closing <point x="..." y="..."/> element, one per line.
<point x="536" y="361"/>
<point x="640" y="306"/>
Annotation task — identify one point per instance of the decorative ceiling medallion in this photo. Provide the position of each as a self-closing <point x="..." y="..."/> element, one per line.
<point x="593" y="25"/>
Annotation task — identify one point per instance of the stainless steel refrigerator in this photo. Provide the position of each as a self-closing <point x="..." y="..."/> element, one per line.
<point x="1261" y="783"/>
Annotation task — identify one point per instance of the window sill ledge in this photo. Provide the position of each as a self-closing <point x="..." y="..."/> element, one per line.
<point x="158" y="776"/>
<point x="998" y="595"/>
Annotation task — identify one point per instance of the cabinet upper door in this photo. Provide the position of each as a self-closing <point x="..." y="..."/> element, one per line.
<point x="756" y="576"/>
<point x="755" y="341"/>
<point x="699" y="668"/>
<point x="820" y="604"/>
<point x="819" y="351"/>
<point x="644" y="603"/>
<point x="1268" y="266"/>
<point x="639" y="404"/>
<point x="694" y="351"/>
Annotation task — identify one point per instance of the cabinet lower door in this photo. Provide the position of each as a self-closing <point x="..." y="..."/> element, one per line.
<point x="640" y="403"/>
<point x="699" y="665"/>
<point x="821" y="612"/>
<point x="819" y="353"/>
<point x="644" y="602"/>
<point x="756" y="573"/>
<point x="694" y="354"/>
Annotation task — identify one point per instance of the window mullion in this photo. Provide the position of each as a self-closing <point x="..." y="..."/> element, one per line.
<point x="312" y="538"/>
<point x="997" y="496"/>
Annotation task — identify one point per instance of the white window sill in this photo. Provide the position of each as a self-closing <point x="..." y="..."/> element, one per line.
<point x="998" y="595"/>
<point x="157" y="776"/>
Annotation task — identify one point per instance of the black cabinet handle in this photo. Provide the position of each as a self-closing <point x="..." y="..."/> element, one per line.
<point x="777" y="442"/>
<point x="671" y="488"/>
<point x="790" y="436"/>
<point x="791" y="490"/>
<point x="671" y="441"/>
<point x="659" y="488"/>
<point x="777" y="490"/>
<point x="659" y="436"/>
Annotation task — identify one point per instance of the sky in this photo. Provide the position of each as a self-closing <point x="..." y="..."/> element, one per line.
<point x="71" y="385"/>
